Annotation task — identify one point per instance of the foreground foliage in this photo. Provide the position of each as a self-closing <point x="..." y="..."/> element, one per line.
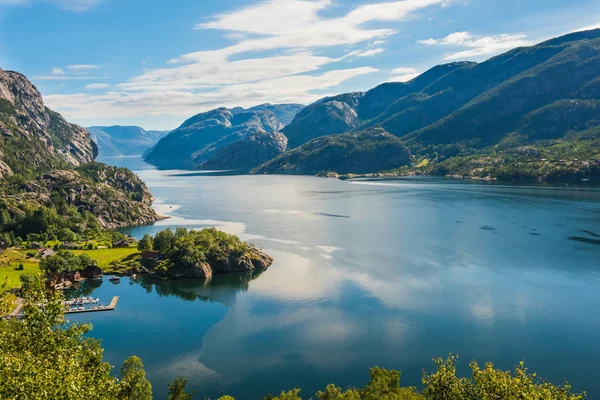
<point x="41" y="357"/>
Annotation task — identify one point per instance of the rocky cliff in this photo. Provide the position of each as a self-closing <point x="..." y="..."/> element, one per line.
<point x="116" y="196"/>
<point x="253" y="259"/>
<point x="33" y="138"/>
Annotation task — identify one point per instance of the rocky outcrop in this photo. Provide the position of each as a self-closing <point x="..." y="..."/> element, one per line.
<point x="116" y="196"/>
<point x="248" y="153"/>
<point x="33" y="137"/>
<point x="199" y="138"/>
<point x="253" y="259"/>
<point x="284" y="113"/>
<point x="368" y="151"/>
<point x="329" y="116"/>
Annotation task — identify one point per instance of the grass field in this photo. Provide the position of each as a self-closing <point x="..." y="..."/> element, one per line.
<point x="11" y="258"/>
<point x="105" y="256"/>
<point x="9" y="261"/>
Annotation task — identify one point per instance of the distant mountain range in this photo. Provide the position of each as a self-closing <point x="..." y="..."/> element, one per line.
<point x="116" y="141"/>
<point x="531" y="113"/>
<point x="225" y="138"/>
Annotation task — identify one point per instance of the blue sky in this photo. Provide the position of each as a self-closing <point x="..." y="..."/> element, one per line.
<point x="154" y="63"/>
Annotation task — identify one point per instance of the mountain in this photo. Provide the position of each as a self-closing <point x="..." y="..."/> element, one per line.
<point x="534" y="106"/>
<point x="116" y="141"/>
<point x="328" y="116"/>
<point x="249" y="152"/>
<point x="212" y="133"/>
<point x="367" y="151"/>
<point x="285" y="113"/>
<point x="47" y="170"/>
<point x="33" y="138"/>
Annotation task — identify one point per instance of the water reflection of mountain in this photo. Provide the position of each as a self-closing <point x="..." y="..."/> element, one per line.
<point x="221" y="288"/>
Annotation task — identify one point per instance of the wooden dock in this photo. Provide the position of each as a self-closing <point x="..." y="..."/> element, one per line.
<point x="112" y="306"/>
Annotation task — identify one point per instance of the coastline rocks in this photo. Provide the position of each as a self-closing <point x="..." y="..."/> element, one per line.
<point x="252" y="260"/>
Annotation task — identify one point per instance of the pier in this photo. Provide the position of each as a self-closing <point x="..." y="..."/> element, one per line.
<point x="110" y="307"/>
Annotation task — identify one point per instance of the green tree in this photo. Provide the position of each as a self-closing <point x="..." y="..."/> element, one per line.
<point x="490" y="383"/>
<point x="333" y="392"/>
<point x="42" y="358"/>
<point x="293" y="394"/>
<point x="85" y="261"/>
<point x="146" y="244"/>
<point x="133" y="384"/>
<point x="163" y="240"/>
<point x="177" y="390"/>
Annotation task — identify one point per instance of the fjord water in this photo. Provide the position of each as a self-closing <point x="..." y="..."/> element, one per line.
<point x="389" y="273"/>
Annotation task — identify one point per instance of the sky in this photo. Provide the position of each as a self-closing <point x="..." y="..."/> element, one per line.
<point x="155" y="63"/>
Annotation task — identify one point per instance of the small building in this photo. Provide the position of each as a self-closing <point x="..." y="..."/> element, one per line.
<point x="121" y="243"/>
<point x="43" y="253"/>
<point x="91" y="271"/>
<point x="73" y="276"/>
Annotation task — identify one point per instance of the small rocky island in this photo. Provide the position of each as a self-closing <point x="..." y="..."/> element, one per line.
<point x="187" y="253"/>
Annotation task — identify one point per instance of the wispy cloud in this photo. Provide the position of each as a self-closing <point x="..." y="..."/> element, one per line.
<point x="478" y="46"/>
<point x="71" y="5"/>
<point x="94" y="86"/>
<point x="403" y="74"/>
<point x="57" y="71"/>
<point x="82" y="67"/>
<point x="294" y="32"/>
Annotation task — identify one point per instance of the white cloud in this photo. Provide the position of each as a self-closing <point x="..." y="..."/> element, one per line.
<point x="97" y="86"/>
<point x="82" y="67"/>
<point x="71" y="5"/>
<point x="370" y="53"/>
<point x="297" y="24"/>
<point x="294" y="32"/>
<point x="404" y="70"/>
<point x="59" y="77"/>
<point x="57" y="71"/>
<point x="184" y="103"/>
<point x="478" y="46"/>
<point x="587" y="28"/>
<point x="403" y="74"/>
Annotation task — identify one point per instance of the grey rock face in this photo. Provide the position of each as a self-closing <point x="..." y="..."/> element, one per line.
<point x="328" y="116"/>
<point x="33" y="134"/>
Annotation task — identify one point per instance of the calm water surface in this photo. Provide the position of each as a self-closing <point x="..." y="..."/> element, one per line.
<point x="371" y="273"/>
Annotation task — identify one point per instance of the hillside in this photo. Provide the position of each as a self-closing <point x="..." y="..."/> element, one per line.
<point x="329" y="116"/>
<point x="33" y="138"/>
<point x="362" y="152"/>
<point x="118" y="141"/>
<point x="484" y="119"/>
<point x="211" y="134"/>
<point x="48" y="182"/>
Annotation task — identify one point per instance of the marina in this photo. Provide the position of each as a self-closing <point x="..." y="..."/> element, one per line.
<point x="80" y="305"/>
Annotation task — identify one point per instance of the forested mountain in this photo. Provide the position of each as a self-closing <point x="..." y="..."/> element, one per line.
<point x="211" y="135"/>
<point x="517" y="108"/>
<point x="115" y="141"/>
<point x="354" y="152"/>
